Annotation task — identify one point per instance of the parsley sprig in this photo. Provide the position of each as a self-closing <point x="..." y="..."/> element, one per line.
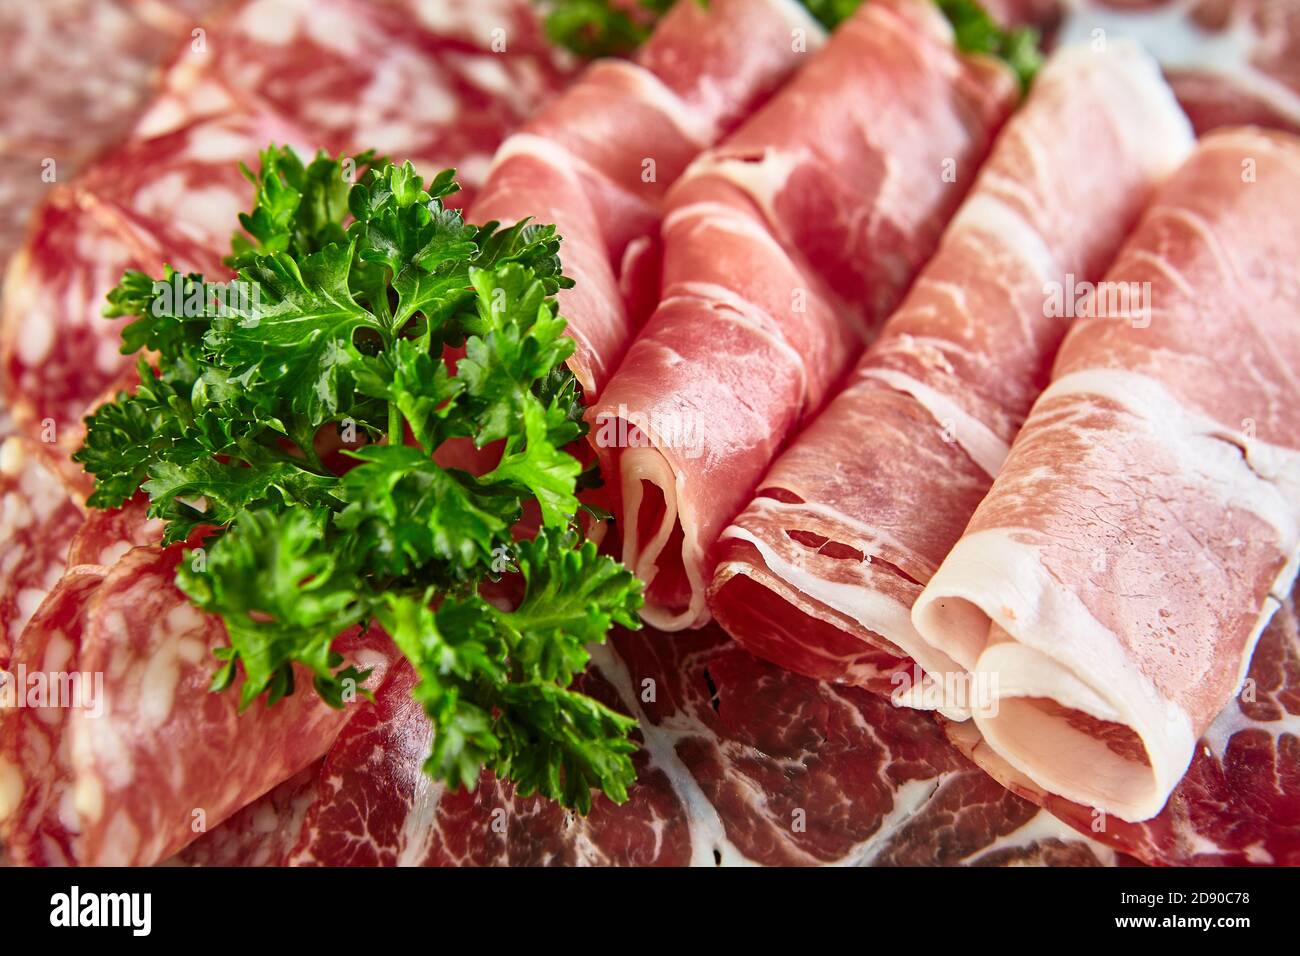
<point x="291" y="421"/>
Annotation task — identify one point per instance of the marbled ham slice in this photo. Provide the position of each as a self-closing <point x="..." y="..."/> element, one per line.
<point x="151" y="758"/>
<point x="820" y="571"/>
<point x="784" y="248"/>
<point x="742" y="763"/>
<point x="1109" y="591"/>
<point x="597" y="160"/>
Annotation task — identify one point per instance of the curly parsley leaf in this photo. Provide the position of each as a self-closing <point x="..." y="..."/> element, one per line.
<point x="297" y="417"/>
<point x="283" y="599"/>
<point x="593" y="28"/>
<point x="977" y="32"/>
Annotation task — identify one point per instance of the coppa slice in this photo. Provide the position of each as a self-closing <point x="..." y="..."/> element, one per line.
<point x="141" y="758"/>
<point x="820" y="571"/>
<point x="743" y="763"/>
<point x="596" y="161"/>
<point x="784" y="249"/>
<point x="1110" y="589"/>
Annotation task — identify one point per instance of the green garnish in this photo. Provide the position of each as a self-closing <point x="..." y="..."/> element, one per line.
<point x="297" y="412"/>
<point x="977" y="32"/>
<point x="595" y="28"/>
<point x="592" y="28"/>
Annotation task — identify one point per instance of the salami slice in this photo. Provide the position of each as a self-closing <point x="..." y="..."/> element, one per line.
<point x="38" y="520"/>
<point x="784" y="249"/>
<point x="155" y="759"/>
<point x="742" y="763"/>
<point x="184" y="189"/>
<point x="37" y="821"/>
<point x="24" y="181"/>
<point x="346" y="71"/>
<point x="66" y="99"/>
<point x="58" y="352"/>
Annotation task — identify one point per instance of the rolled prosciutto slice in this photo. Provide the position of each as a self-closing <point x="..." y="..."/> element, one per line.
<point x="597" y="160"/>
<point x="1239" y="802"/>
<point x="1108" y="593"/>
<point x="820" y="571"/>
<point x="112" y="750"/>
<point x="783" y="249"/>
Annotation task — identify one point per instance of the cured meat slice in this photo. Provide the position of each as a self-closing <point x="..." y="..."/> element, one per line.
<point x="262" y="833"/>
<point x="58" y="353"/>
<point x="184" y="188"/>
<point x="41" y="685"/>
<point x="741" y="763"/>
<point x="784" y="248"/>
<point x="38" y="520"/>
<point x="365" y="76"/>
<point x="22" y="186"/>
<point x="130" y="785"/>
<point x="1107" y="594"/>
<point x="1239" y="802"/>
<point x="105" y="536"/>
<point x="597" y="159"/>
<point x="1229" y="62"/>
<point x="820" y="571"/>
<point x="66" y="99"/>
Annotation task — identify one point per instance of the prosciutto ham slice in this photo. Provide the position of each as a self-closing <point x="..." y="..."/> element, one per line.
<point x="1239" y="802"/>
<point x="597" y="160"/>
<point x="1108" y="593"/>
<point x="820" y="571"/>
<point x="784" y="248"/>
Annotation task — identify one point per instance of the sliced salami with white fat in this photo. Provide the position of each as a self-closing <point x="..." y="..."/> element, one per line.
<point x="38" y="520"/>
<point x="148" y="757"/>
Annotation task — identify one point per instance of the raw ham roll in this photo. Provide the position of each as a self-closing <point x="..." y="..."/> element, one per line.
<point x="597" y="160"/>
<point x="112" y="750"/>
<point x="820" y="572"/>
<point x="1239" y="802"/>
<point x="784" y="248"/>
<point x="1108" y="593"/>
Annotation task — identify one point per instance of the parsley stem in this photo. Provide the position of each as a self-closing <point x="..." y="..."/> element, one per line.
<point x="396" y="433"/>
